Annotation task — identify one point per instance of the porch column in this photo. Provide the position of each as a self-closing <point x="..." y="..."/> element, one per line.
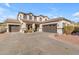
<point x="60" y="28"/>
<point x="33" y="27"/>
<point x="7" y="27"/>
<point x="40" y="28"/>
<point x="23" y="27"/>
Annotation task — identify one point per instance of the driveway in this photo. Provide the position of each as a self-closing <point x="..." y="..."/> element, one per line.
<point x="38" y="43"/>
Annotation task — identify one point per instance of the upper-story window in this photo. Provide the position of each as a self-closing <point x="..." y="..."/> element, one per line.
<point x="45" y="19"/>
<point x="40" y="19"/>
<point x="25" y="17"/>
<point x="35" y="18"/>
<point x="30" y="17"/>
<point x="64" y="24"/>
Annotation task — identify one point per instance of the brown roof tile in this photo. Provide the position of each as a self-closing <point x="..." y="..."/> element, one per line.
<point x="30" y="21"/>
<point x="9" y="20"/>
<point x="56" y="20"/>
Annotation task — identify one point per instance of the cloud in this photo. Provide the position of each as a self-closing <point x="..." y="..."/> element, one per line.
<point x="76" y="14"/>
<point x="76" y="19"/>
<point x="55" y="16"/>
<point x="6" y="13"/>
<point x="7" y="4"/>
<point x="52" y="15"/>
<point x="53" y="8"/>
<point x="1" y="10"/>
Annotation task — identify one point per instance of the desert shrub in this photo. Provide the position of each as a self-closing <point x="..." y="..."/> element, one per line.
<point x="30" y="30"/>
<point x="68" y="29"/>
<point x="2" y="29"/>
<point x="76" y="29"/>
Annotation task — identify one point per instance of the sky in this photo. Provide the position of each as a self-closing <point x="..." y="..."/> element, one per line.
<point x="52" y="10"/>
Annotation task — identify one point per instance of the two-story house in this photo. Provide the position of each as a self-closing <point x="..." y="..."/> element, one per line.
<point x="27" y="21"/>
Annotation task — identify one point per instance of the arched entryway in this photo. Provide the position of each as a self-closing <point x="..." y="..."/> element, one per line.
<point x="31" y="28"/>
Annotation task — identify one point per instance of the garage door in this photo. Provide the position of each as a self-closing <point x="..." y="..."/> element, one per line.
<point x="50" y="28"/>
<point x="14" y="28"/>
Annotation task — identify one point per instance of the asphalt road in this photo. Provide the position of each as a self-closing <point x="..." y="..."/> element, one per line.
<point x="37" y="43"/>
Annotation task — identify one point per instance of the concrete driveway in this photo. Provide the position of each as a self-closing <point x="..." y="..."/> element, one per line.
<point x="37" y="43"/>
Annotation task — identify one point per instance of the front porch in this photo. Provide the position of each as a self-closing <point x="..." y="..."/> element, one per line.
<point x="29" y="28"/>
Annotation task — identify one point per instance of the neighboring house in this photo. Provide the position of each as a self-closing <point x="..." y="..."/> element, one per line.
<point x="27" y="21"/>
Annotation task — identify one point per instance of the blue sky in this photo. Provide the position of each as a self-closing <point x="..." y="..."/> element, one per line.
<point x="52" y="10"/>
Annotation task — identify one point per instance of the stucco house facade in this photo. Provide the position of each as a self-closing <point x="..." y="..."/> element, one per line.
<point x="27" y="21"/>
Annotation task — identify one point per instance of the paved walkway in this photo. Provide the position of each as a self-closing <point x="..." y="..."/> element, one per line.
<point x="33" y="44"/>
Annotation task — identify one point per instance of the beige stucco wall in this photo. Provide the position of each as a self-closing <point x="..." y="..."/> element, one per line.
<point x="60" y="26"/>
<point x="66" y="22"/>
<point x="20" y="16"/>
<point x="27" y="17"/>
<point x="40" y="28"/>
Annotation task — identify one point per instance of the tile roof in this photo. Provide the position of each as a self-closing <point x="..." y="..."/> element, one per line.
<point x="30" y="21"/>
<point x="32" y="14"/>
<point x="56" y="20"/>
<point x="10" y="20"/>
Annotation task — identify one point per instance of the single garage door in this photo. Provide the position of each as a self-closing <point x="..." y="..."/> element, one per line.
<point x="14" y="28"/>
<point x="50" y="28"/>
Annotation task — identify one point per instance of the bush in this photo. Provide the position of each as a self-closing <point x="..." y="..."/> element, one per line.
<point x="68" y="29"/>
<point x="30" y="30"/>
<point x="2" y="29"/>
<point x="76" y="30"/>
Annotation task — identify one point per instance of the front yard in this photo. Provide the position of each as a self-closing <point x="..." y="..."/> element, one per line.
<point x="71" y="39"/>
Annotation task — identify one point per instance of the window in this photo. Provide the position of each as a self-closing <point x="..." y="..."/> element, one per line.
<point x="64" y="24"/>
<point x="40" y="19"/>
<point x="35" y="18"/>
<point x="25" y="17"/>
<point x="30" y="17"/>
<point x="45" y="19"/>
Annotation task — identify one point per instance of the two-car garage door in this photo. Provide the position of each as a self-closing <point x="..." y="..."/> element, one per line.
<point x="46" y="28"/>
<point x="14" y="28"/>
<point x="50" y="28"/>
